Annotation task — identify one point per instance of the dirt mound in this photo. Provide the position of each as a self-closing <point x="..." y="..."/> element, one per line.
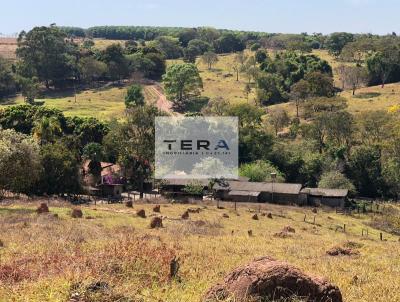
<point x="43" y="208"/>
<point x="269" y="215"/>
<point x="225" y="215"/>
<point x="266" y="278"/>
<point x="194" y="210"/>
<point x="342" y="251"/>
<point x="157" y="208"/>
<point x="129" y="204"/>
<point x="76" y="213"/>
<point x="185" y="215"/>
<point x="282" y="234"/>
<point x="156" y="223"/>
<point x="255" y="217"/>
<point x="141" y="213"/>
<point x="314" y="210"/>
<point x="289" y="229"/>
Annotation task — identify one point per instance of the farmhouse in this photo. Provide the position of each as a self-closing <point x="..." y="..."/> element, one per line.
<point x="177" y="185"/>
<point x="328" y="197"/>
<point x="282" y="193"/>
<point x="110" y="183"/>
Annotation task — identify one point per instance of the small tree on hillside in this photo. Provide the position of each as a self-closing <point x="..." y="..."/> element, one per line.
<point x="134" y="96"/>
<point x="209" y="58"/>
<point x="300" y="91"/>
<point x="355" y="77"/>
<point x="279" y="119"/>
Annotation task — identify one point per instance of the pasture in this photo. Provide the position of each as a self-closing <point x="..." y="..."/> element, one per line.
<point x="54" y="257"/>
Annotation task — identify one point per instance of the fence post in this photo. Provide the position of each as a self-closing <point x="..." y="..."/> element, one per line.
<point x="314" y="220"/>
<point x="235" y="206"/>
<point x="344" y="228"/>
<point x="381" y="236"/>
<point x="305" y="216"/>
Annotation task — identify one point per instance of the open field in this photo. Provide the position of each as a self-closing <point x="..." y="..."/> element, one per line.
<point x="49" y="258"/>
<point x="366" y="99"/>
<point x="103" y="103"/>
<point x="220" y="80"/>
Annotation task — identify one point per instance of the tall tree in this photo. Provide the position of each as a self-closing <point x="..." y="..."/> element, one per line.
<point x="182" y="82"/>
<point x="45" y="53"/>
<point x="134" y="96"/>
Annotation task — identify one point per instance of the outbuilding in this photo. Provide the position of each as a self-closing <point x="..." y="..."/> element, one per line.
<point x="281" y="193"/>
<point x="327" y="197"/>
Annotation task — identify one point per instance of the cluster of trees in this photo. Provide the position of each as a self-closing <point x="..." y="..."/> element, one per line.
<point x="287" y="72"/>
<point x="42" y="151"/>
<point x="45" y="56"/>
<point x="377" y="58"/>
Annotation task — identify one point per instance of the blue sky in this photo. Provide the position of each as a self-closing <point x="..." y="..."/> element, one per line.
<point x="292" y="16"/>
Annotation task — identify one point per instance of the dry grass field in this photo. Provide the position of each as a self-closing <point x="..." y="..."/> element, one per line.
<point x="103" y="103"/>
<point x="111" y="254"/>
<point x="8" y="46"/>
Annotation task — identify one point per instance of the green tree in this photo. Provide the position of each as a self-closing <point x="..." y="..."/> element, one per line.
<point x="7" y="79"/>
<point x="260" y="171"/>
<point x="91" y="69"/>
<point x="169" y="46"/>
<point x="46" y="129"/>
<point x="19" y="162"/>
<point x="136" y="144"/>
<point x="134" y="96"/>
<point x="45" y="53"/>
<point x="30" y="88"/>
<point x="182" y="82"/>
<point x="117" y="63"/>
<point x="93" y="152"/>
<point x="60" y="170"/>
<point x="336" y="41"/>
<point x="365" y="171"/>
<point x="320" y="84"/>
<point x="336" y="180"/>
<point x="381" y="64"/>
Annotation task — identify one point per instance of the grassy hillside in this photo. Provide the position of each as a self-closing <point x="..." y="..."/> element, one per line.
<point x="104" y="103"/>
<point x="220" y="81"/>
<point x="49" y="258"/>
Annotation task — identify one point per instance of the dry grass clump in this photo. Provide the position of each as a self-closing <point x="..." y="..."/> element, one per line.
<point x="146" y="261"/>
<point x="388" y="220"/>
<point x="195" y="227"/>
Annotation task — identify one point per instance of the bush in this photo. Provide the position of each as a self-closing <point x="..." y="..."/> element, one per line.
<point x="259" y="171"/>
<point x="19" y="162"/>
<point x="336" y="180"/>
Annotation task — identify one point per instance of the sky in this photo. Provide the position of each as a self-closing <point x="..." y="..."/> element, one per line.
<point x="283" y="16"/>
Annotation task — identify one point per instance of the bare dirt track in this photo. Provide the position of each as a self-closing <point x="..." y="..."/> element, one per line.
<point x="161" y="102"/>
